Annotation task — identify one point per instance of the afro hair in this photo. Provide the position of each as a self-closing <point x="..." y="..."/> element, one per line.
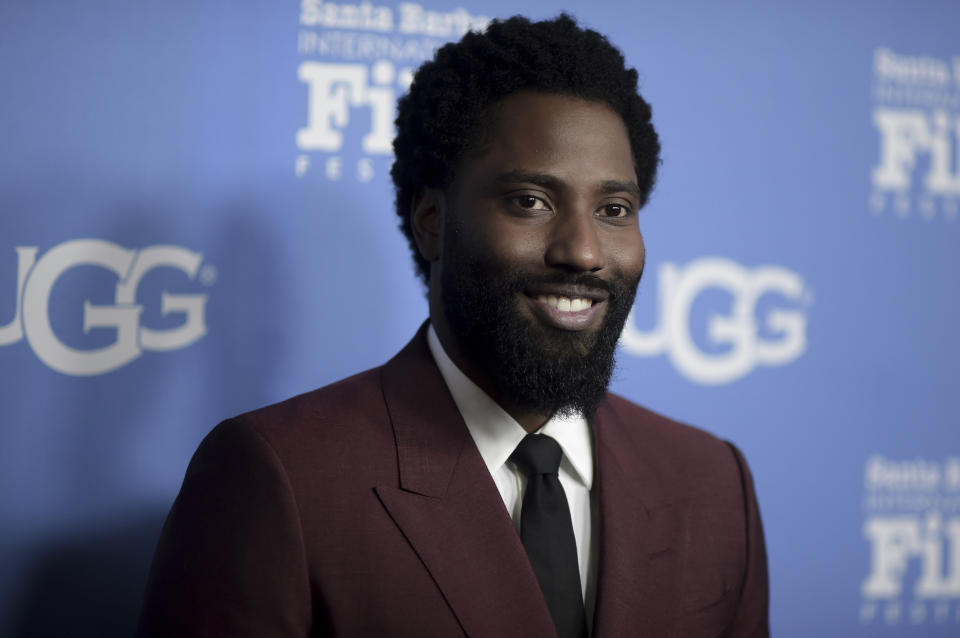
<point x="444" y="112"/>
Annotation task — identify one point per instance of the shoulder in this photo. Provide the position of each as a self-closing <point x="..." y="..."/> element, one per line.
<point x="314" y="431"/>
<point x="358" y="398"/>
<point x="689" y="458"/>
<point x="648" y="428"/>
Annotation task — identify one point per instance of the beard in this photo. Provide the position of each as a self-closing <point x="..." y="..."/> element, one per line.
<point x="532" y="365"/>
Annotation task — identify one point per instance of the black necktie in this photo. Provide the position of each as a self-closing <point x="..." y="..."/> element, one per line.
<point x="547" y="533"/>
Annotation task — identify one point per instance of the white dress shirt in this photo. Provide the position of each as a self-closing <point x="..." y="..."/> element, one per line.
<point x="497" y="435"/>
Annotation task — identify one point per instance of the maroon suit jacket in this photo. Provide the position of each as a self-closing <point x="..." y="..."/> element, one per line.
<point x="364" y="509"/>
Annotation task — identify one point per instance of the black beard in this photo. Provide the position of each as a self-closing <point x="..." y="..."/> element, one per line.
<point x="533" y="366"/>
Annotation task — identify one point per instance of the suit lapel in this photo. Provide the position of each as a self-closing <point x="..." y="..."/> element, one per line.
<point x="449" y="509"/>
<point x="637" y="579"/>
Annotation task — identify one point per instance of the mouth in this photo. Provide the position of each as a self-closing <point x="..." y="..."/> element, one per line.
<point x="568" y="309"/>
<point x="565" y="304"/>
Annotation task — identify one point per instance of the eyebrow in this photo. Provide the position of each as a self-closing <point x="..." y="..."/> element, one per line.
<point x="549" y="181"/>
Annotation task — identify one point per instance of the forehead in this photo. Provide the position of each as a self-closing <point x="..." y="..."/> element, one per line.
<point x="575" y="140"/>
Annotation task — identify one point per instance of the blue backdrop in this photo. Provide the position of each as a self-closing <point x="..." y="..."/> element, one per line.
<point x="197" y="220"/>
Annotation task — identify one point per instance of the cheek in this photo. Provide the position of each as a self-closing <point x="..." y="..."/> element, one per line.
<point x="509" y="244"/>
<point x="630" y="254"/>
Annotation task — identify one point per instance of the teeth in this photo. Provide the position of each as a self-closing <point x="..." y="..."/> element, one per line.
<point x="580" y="304"/>
<point x="566" y="304"/>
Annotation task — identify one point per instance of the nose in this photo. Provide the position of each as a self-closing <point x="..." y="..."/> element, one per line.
<point x="574" y="243"/>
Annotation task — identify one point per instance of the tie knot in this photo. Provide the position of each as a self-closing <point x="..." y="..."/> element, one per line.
<point x="537" y="454"/>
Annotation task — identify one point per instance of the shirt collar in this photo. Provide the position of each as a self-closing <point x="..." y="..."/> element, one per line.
<point x="497" y="434"/>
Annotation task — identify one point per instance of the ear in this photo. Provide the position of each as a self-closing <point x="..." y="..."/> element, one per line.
<point x="427" y="213"/>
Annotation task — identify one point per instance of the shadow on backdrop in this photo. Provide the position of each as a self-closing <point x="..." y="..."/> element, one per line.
<point x="90" y="585"/>
<point x="88" y="579"/>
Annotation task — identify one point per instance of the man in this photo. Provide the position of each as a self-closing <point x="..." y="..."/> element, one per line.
<point x="408" y="500"/>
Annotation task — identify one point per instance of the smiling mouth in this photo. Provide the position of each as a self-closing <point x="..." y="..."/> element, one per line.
<point x="565" y="304"/>
<point x="567" y="312"/>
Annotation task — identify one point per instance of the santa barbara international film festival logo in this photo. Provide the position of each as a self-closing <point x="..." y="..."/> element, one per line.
<point x="356" y="59"/>
<point x="35" y="318"/>
<point x="917" y="116"/>
<point x="755" y="317"/>
<point x="911" y="522"/>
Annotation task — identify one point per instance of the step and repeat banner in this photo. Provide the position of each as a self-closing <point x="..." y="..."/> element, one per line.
<point x="196" y="219"/>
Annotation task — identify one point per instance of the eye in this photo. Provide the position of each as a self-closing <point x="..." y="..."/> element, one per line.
<point x="615" y="210"/>
<point x="530" y="202"/>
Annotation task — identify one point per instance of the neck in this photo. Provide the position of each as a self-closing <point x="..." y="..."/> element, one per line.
<point x="529" y="420"/>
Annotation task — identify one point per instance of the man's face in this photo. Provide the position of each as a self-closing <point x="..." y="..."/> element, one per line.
<point x="541" y="252"/>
